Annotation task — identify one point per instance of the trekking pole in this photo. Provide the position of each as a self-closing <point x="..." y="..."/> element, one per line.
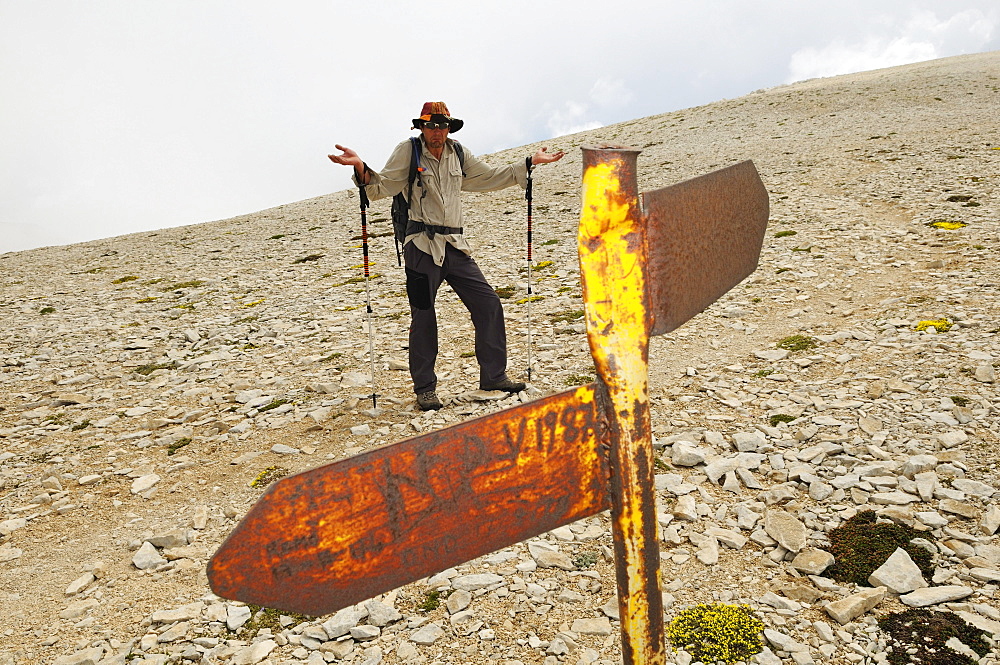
<point x="368" y="295"/>
<point x="527" y="195"/>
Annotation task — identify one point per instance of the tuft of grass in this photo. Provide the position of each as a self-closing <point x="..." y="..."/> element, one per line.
<point x="717" y="633"/>
<point x="578" y="380"/>
<point x="522" y="301"/>
<point x="83" y="424"/>
<point x="958" y="400"/>
<point x="309" y="257"/>
<point x="542" y="265"/>
<point x="505" y="291"/>
<point x="177" y="445"/>
<point x="47" y="310"/>
<point x="148" y="369"/>
<point x="785" y="234"/>
<point x="432" y="600"/>
<point x="566" y="317"/>
<point x="273" y="405"/>
<point x="268" y="617"/>
<point x="585" y="560"/>
<point x="126" y="278"/>
<point x="860" y="545"/>
<point x="918" y="636"/>
<point x="780" y="418"/>
<point x="797" y="343"/>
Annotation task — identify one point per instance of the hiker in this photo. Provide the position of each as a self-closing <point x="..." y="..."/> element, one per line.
<point x="434" y="249"/>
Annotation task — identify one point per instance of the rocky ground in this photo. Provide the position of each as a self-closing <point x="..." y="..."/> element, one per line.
<point x="147" y="381"/>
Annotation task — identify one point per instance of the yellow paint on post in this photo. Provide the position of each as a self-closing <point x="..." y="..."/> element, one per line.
<point x="612" y="267"/>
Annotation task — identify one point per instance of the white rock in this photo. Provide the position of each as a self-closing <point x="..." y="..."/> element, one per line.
<point x="380" y="614"/>
<point x="953" y="438"/>
<point x="475" y="581"/>
<point x="236" y="616"/>
<point x="783" y="642"/>
<point x="9" y="553"/>
<point x="595" y="626"/>
<point x="985" y="373"/>
<point x="990" y="521"/>
<point x="936" y="595"/>
<point x="684" y="454"/>
<point x="89" y="656"/>
<point x="974" y="487"/>
<point x="147" y="557"/>
<point x="427" y="635"/>
<point x="144" y="483"/>
<point x="340" y="624"/>
<point x="80" y="583"/>
<point x="8" y="527"/>
<point x="848" y="609"/>
<point x="812" y="561"/>
<point x="899" y="574"/>
<point x="785" y="528"/>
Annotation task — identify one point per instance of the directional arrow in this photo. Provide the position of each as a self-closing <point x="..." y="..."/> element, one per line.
<point x="330" y="537"/>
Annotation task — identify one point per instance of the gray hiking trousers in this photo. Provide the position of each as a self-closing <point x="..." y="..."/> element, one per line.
<point x="423" y="277"/>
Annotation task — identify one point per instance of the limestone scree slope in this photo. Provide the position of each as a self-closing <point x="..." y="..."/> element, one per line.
<point x="151" y="384"/>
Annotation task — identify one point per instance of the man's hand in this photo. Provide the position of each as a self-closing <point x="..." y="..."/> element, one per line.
<point x="350" y="158"/>
<point x="540" y="157"/>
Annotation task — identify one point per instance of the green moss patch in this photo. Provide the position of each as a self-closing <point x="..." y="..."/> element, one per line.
<point x="780" y="418"/>
<point x="797" y="343"/>
<point x="717" y="633"/>
<point x="860" y="545"/>
<point x="918" y="637"/>
<point x="177" y="445"/>
<point x="266" y="617"/>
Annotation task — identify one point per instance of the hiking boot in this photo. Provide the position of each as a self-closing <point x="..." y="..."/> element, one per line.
<point x="504" y="384"/>
<point x="428" y="401"/>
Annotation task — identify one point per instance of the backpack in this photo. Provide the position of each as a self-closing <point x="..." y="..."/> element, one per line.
<point x="401" y="224"/>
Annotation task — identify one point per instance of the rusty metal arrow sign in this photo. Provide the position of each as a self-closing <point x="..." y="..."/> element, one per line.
<point x="333" y="536"/>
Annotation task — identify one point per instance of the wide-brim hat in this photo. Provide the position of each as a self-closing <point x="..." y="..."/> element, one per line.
<point x="437" y="112"/>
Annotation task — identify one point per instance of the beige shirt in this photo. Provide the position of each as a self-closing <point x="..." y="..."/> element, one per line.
<point x="439" y="202"/>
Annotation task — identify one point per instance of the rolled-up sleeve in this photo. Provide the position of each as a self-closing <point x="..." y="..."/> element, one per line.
<point x="480" y="177"/>
<point x="393" y="178"/>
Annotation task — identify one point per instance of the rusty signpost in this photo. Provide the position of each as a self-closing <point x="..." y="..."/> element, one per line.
<point x="339" y="534"/>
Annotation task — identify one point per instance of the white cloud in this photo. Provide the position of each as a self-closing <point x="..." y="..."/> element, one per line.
<point x="922" y="37"/>
<point x="569" y="119"/>
<point x="611" y="92"/>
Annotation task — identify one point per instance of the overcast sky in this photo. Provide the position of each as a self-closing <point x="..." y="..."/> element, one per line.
<point x="119" y="116"/>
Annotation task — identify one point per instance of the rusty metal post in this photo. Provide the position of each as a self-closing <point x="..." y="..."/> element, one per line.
<point x="612" y="246"/>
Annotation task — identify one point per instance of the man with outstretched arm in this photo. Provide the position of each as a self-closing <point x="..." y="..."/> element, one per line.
<point x="435" y="249"/>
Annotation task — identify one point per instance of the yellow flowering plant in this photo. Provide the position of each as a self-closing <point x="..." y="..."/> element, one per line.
<point x="717" y="633"/>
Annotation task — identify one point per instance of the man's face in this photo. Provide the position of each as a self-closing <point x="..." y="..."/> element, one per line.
<point x="434" y="137"/>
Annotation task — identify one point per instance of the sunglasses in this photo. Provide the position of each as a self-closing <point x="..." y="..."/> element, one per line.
<point x="436" y="125"/>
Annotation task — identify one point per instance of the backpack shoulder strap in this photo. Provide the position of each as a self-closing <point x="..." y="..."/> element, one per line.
<point x="414" y="158"/>
<point x="461" y="155"/>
